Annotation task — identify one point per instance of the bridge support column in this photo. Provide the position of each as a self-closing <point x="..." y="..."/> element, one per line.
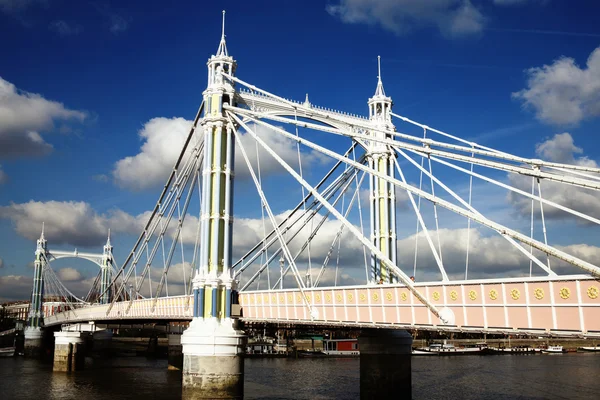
<point x="385" y="364"/>
<point x="175" y="352"/>
<point x="34" y="341"/>
<point x="213" y="360"/>
<point x="69" y="351"/>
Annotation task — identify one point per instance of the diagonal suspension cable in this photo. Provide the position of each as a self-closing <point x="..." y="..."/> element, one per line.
<point x="401" y="275"/>
<point x="458" y="210"/>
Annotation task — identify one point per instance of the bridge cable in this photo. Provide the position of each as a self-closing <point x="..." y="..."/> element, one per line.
<point x="162" y="195"/>
<point x="401" y="275"/>
<point x="469" y="221"/>
<point x="346" y="182"/>
<point x="470" y="208"/>
<point x="531" y="228"/>
<point x="452" y="207"/>
<point x="269" y="212"/>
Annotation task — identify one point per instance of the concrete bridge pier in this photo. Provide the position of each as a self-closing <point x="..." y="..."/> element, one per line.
<point x="69" y="351"/>
<point x="385" y="364"/>
<point x="213" y="360"/>
<point x="34" y="342"/>
<point x="175" y="353"/>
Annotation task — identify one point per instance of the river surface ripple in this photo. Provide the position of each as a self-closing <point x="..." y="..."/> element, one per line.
<point x="560" y="376"/>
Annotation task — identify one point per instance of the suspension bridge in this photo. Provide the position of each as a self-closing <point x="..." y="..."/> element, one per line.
<point x="375" y="160"/>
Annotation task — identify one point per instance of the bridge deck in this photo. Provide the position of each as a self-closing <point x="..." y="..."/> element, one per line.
<point x="565" y="306"/>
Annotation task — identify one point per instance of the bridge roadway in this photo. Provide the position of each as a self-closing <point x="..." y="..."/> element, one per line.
<point x="563" y="306"/>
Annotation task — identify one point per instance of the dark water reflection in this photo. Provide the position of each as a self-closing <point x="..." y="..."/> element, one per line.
<point x="567" y="376"/>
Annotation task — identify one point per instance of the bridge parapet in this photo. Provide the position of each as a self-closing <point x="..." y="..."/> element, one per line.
<point x="167" y="308"/>
<point x="565" y="306"/>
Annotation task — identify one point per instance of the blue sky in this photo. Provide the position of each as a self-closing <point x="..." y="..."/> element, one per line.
<point x="81" y="81"/>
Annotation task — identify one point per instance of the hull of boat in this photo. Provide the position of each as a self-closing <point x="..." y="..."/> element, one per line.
<point x="591" y="349"/>
<point x="7" y="352"/>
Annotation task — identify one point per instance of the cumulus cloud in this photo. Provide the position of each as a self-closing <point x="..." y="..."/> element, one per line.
<point x="15" y="287"/>
<point x="563" y="93"/>
<point x="23" y="116"/>
<point x="560" y="148"/>
<point x="63" y="28"/>
<point x="3" y="176"/>
<point x="69" y="274"/>
<point x="163" y="139"/>
<point x="452" y="18"/>
<point x="68" y="222"/>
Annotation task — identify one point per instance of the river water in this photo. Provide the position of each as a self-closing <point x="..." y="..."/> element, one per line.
<point x="549" y="376"/>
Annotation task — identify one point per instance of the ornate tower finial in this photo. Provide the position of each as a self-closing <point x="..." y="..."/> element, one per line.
<point x="379" y="91"/>
<point x="42" y="243"/>
<point x="306" y="101"/>
<point x="222" y="50"/>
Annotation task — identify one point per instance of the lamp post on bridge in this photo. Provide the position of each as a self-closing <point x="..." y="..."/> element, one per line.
<point x="213" y="364"/>
<point x="35" y="319"/>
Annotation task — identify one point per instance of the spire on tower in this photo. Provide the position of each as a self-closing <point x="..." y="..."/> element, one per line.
<point x="222" y="50"/>
<point x="42" y="235"/>
<point x="306" y="101"/>
<point x="379" y="91"/>
<point x="108" y="239"/>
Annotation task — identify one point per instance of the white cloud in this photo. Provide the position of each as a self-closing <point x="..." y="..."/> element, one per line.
<point x="451" y="17"/>
<point x="163" y="139"/>
<point x="69" y="274"/>
<point x="3" y="176"/>
<point x="15" y="287"/>
<point x="23" y="116"/>
<point x="63" y="28"/>
<point x="69" y="222"/>
<point x="559" y="148"/>
<point x="562" y="92"/>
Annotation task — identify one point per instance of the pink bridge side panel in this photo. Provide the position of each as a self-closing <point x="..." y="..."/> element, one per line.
<point x="377" y="313"/>
<point x="475" y="316"/>
<point x="566" y="292"/>
<point x="567" y="318"/>
<point x="591" y="316"/>
<point x="390" y="314"/>
<point x="515" y="293"/>
<point x="495" y="316"/>
<point x="363" y="314"/>
<point x="458" y="316"/>
<point x="421" y="315"/>
<point x="590" y="292"/>
<point x="541" y="317"/>
<point x="517" y="317"/>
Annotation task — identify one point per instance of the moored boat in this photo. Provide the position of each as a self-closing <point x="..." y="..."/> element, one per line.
<point x="554" y="350"/>
<point x="514" y="350"/>
<point x="341" y="347"/>
<point x="450" y="349"/>
<point x="7" y="352"/>
<point x="590" y="348"/>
